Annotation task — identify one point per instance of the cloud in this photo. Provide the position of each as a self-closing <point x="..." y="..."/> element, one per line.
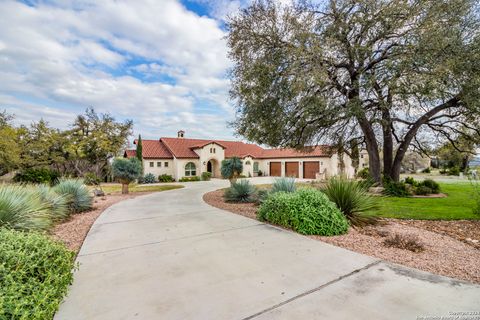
<point x="152" y="61"/>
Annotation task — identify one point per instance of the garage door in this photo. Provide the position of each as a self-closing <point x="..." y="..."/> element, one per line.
<point x="310" y="169"/>
<point x="291" y="169"/>
<point x="275" y="169"/>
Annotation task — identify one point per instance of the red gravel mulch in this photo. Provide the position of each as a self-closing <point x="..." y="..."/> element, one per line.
<point x="73" y="231"/>
<point x="447" y="246"/>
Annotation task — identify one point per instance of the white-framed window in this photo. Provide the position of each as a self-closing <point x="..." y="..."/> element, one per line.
<point x="152" y="164"/>
<point x="255" y="167"/>
<point x="165" y="164"/>
<point x="159" y="164"/>
<point x="190" y="169"/>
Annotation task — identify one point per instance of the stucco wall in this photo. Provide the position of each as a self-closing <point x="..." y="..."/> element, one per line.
<point x="180" y="167"/>
<point x="158" y="170"/>
<point x="216" y="158"/>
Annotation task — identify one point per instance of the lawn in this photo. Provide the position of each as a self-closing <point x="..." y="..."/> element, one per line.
<point x="458" y="205"/>
<point x="117" y="188"/>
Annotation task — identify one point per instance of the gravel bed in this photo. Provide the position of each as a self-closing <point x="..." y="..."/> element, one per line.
<point x="73" y="231"/>
<point x="446" y="250"/>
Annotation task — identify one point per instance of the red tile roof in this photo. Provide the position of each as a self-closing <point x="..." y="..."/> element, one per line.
<point x="130" y="153"/>
<point x="183" y="148"/>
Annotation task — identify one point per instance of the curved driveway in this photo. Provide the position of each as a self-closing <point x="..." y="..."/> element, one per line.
<point x="169" y="255"/>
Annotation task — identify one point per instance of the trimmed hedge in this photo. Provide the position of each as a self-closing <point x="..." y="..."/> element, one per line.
<point x="35" y="273"/>
<point x="306" y="211"/>
<point x="190" y="179"/>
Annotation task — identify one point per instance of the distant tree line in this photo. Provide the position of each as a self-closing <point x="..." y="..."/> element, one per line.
<point x="85" y="147"/>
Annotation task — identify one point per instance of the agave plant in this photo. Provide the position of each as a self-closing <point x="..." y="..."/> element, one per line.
<point x="284" y="184"/>
<point x="22" y="208"/>
<point x="58" y="203"/>
<point x="240" y="191"/>
<point x="352" y="199"/>
<point x="77" y="194"/>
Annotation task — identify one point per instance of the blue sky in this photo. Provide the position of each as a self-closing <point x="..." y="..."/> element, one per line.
<point x="161" y="63"/>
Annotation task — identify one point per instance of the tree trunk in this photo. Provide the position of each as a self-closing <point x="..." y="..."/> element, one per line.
<point x="387" y="143"/>
<point x="372" y="149"/>
<point x="124" y="188"/>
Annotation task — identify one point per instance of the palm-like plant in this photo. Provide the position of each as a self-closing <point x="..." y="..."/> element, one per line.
<point x="231" y="168"/>
<point x="77" y="194"/>
<point x="241" y="191"/>
<point x="23" y="209"/>
<point x="352" y="199"/>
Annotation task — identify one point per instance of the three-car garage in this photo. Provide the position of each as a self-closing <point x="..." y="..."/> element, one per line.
<point x="292" y="169"/>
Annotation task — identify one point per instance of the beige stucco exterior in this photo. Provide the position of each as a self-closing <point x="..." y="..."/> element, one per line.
<point x="158" y="170"/>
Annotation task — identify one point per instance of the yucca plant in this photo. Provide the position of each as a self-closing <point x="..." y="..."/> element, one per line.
<point x="284" y="184"/>
<point x="240" y="191"/>
<point x="23" y="209"/>
<point x="77" y="194"/>
<point x="57" y="203"/>
<point x="352" y="199"/>
<point x="231" y="169"/>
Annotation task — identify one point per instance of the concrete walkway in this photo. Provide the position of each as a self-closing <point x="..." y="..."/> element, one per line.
<point x="169" y="255"/>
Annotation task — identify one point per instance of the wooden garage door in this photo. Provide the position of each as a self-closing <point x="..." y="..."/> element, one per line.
<point x="291" y="169"/>
<point x="275" y="169"/>
<point x="310" y="169"/>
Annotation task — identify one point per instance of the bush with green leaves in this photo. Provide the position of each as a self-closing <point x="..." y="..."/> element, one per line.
<point x="78" y="196"/>
<point x="23" y="208"/>
<point x="206" y="176"/>
<point x="165" y="178"/>
<point x="396" y="188"/>
<point x="35" y="273"/>
<point x="352" y="199"/>
<point x="427" y="170"/>
<point x="189" y="179"/>
<point x="284" y="185"/>
<point x="126" y="171"/>
<point x="241" y="191"/>
<point x="454" y="171"/>
<point x="431" y="184"/>
<point x="91" y="179"/>
<point x="423" y="191"/>
<point x="364" y="174"/>
<point x="306" y="211"/>
<point x="149" y="178"/>
<point x="411" y="181"/>
<point x="37" y="175"/>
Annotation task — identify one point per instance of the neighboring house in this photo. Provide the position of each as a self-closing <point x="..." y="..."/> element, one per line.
<point x="182" y="157"/>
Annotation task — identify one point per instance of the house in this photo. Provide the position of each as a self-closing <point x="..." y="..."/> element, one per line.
<point x="183" y="157"/>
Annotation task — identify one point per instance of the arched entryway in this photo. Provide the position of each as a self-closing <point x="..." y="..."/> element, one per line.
<point x="213" y="168"/>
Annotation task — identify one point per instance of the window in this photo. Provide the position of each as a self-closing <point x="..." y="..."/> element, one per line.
<point x="255" y="167"/>
<point x="190" y="169"/>
<point x="247" y="163"/>
<point x="159" y="164"/>
<point x="151" y="164"/>
<point x="214" y="150"/>
<point x="165" y="164"/>
<point x="361" y="156"/>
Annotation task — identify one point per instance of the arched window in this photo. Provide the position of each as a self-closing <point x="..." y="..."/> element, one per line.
<point x="190" y="169"/>
<point x="247" y="163"/>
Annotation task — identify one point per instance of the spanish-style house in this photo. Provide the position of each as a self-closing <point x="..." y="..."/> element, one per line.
<point x="183" y="157"/>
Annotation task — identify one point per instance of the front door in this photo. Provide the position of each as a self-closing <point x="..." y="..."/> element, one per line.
<point x="210" y="167"/>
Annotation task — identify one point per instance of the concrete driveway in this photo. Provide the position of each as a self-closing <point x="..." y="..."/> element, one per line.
<point x="171" y="256"/>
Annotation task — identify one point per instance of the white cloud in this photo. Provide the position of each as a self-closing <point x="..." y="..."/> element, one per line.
<point x="87" y="53"/>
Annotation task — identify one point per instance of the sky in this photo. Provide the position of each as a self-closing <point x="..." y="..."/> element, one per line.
<point x="161" y="63"/>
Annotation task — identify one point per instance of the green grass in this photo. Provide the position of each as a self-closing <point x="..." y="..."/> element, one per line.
<point x="117" y="188"/>
<point x="458" y="205"/>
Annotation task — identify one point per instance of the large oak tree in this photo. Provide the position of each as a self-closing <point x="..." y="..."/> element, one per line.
<point x="394" y="74"/>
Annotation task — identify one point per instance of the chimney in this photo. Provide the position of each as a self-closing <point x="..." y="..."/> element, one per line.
<point x="181" y="134"/>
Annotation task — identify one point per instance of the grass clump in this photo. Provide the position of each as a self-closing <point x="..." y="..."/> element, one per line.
<point x="240" y="191"/>
<point x="78" y="196"/>
<point x="22" y="208"/>
<point x="35" y="273"/>
<point x="306" y="211"/>
<point x="58" y="204"/>
<point x="352" y="199"/>
<point x="165" y="178"/>
<point x="405" y="242"/>
<point x="284" y="185"/>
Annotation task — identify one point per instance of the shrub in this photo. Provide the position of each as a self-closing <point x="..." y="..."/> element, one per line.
<point x="427" y="170"/>
<point x="260" y="173"/>
<point x="78" y="196"/>
<point x="284" y="184"/>
<point x="364" y="174"/>
<point x="91" y="179"/>
<point x="190" y="179"/>
<point x="454" y="171"/>
<point x="240" y="191"/>
<point x="35" y="273"/>
<point x="57" y="203"/>
<point x="262" y="195"/>
<point x="395" y="189"/>
<point x="149" y="178"/>
<point x="23" y="209"/>
<point x="165" y="178"/>
<point x="206" y="176"/>
<point x="433" y="185"/>
<point x="37" y="175"/>
<point x="126" y="171"/>
<point x="405" y="242"/>
<point x="352" y="199"/>
<point x="306" y="211"/>
<point x="423" y="191"/>
<point x="411" y="181"/>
